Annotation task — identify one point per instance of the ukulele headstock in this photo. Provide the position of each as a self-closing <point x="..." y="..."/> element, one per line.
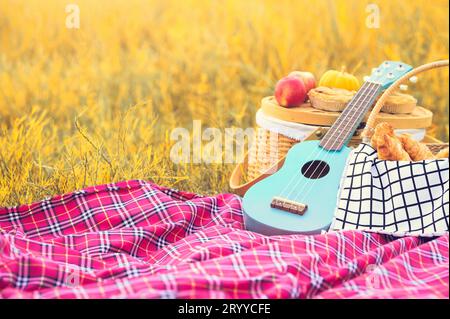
<point x="388" y="72"/>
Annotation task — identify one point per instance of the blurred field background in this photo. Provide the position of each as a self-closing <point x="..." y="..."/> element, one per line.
<point x="85" y="106"/>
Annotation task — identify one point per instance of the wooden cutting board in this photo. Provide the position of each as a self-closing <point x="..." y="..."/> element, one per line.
<point x="306" y="114"/>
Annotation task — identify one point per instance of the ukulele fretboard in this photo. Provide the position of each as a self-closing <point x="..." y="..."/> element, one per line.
<point x="344" y="127"/>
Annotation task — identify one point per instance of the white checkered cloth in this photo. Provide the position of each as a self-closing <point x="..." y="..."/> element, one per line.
<point x="390" y="197"/>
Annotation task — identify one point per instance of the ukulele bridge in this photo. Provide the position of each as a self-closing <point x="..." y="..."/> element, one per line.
<point x="289" y="205"/>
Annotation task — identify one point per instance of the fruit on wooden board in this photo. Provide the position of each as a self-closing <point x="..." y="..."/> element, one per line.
<point x="307" y="77"/>
<point x="340" y="80"/>
<point x="290" y="91"/>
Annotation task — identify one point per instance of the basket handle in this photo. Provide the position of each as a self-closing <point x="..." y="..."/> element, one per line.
<point x="368" y="130"/>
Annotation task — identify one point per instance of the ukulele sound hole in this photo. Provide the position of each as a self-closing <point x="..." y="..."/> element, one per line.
<point x="315" y="169"/>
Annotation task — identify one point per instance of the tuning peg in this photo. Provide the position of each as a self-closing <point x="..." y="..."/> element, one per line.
<point x="403" y="87"/>
<point x="377" y="71"/>
<point x="413" y="79"/>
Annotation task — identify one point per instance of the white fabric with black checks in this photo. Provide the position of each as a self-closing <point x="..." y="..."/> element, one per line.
<point x="398" y="198"/>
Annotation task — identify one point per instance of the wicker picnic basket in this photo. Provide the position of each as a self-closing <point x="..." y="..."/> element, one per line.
<point x="265" y="162"/>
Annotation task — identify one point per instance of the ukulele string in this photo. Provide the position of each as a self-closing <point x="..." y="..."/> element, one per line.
<point x="312" y="155"/>
<point x="318" y="152"/>
<point x="360" y="98"/>
<point x="298" y="174"/>
<point x="323" y="169"/>
<point x="309" y="185"/>
<point x="303" y="194"/>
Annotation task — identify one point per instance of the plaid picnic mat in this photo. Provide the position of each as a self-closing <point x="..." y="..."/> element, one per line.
<point x="135" y="239"/>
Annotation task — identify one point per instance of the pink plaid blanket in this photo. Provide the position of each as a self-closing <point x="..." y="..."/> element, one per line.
<point x="138" y="240"/>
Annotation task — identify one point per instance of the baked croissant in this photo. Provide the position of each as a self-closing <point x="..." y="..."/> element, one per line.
<point x="416" y="150"/>
<point x="379" y="132"/>
<point x="442" y="153"/>
<point x="388" y="146"/>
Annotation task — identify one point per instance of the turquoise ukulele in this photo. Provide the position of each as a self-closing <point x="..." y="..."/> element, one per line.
<point x="301" y="197"/>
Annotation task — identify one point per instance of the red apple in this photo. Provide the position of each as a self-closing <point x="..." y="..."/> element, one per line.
<point x="307" y="77"/>
<point x="290" y="91"/>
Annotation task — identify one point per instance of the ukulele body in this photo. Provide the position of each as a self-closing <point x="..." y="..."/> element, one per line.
<point x="298" y="181"/>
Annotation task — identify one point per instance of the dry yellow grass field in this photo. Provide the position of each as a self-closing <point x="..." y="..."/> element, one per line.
<point x="85" y="106"/>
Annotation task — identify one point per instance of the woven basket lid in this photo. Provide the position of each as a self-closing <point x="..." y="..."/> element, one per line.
<point x="306" y="114"/>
